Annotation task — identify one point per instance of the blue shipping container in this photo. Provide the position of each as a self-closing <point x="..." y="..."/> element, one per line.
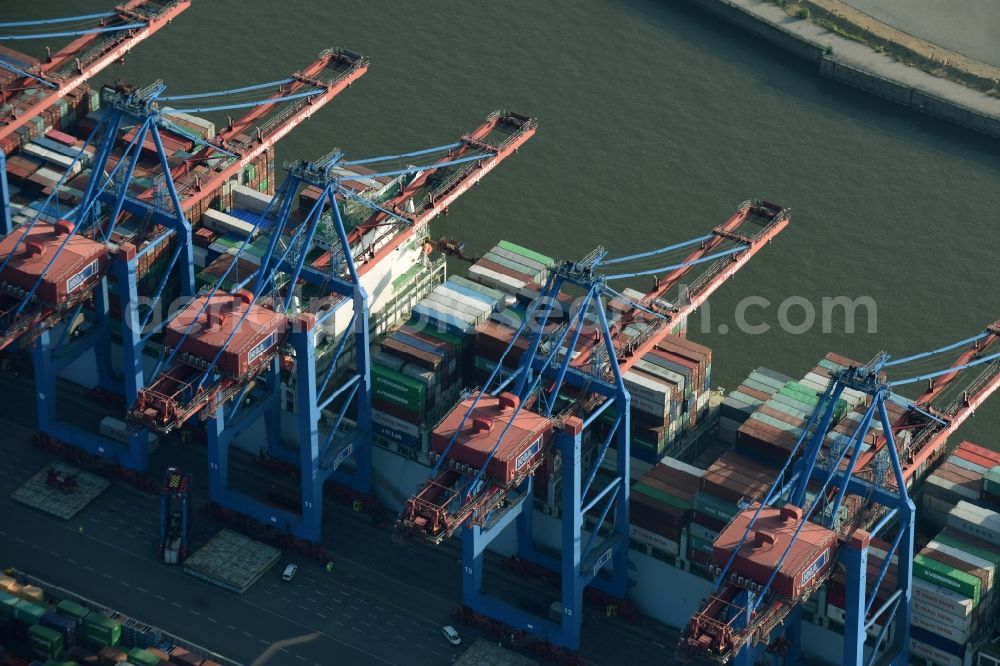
<point x="64" y="625"/>
<point x="940" y="642"/>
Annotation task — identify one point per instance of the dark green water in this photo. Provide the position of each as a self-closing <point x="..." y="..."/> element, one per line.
<point x="656" y="121"/>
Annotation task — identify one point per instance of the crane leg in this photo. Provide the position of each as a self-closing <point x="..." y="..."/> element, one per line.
<point x="855" y="559"/>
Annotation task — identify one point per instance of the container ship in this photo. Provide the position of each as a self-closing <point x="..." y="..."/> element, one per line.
<point x="322" y="304"/>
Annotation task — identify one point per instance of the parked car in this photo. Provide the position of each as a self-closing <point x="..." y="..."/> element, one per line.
<point x="289" y="572"/>
<point x="451" y="635"/>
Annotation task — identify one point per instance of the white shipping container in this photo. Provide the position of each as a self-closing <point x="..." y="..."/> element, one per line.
<point x="200" y="255"/>
<point x="977" y="521"/>
<point x="453" y="305"/>
<point x="648" y="407"/>
<point x="495" y="280"/>
<point x="225" y="223"/>
<point x="50" y="174"/>
<point x="941" y="597"/>
<point x="818" y="379"/>
<point x="819" y="388"/>
<point x="388" y="360"/>
<point x="52" y="157"/>
<point x="250" y="199"/>
<point x="390" y="421"/>
<point x="702" y="400"/>
<point x="939" y="628"/>
<point x="429" y="314"/>
<point x="948" y="491"/>
<point x="659" y="371"/>
<point x="680" y="466"/>
<point x="475" y="304"/>
<point x="936" y="510"/>
<point x="418" y="373"/>
<point x="647" y="388"/>
<point x="208" y="128"/>
<point x="959" y="625"/>
<point x="668" y="546"/>
<point x="451" y="309"/>
<point x="933" y="654"/>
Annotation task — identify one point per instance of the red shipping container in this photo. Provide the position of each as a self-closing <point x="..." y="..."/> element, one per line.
<point x="503" y="270"/>
<point x="975" y="449"/>
<point x="63" y="138"/>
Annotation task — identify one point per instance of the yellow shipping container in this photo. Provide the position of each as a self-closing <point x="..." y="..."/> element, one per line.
<point x="32" y="594"/>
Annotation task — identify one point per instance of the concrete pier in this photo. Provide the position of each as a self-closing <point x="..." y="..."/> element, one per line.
<point x="858" y="65"/>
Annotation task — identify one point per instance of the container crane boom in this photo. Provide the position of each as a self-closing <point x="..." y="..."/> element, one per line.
<point x="82" y="59"/>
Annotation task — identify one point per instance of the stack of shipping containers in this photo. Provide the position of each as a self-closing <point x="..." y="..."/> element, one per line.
<point x="660" y="504"/>
<point x="954" y="598"/>
<point x="417" y="370"/>
<point x="740" y="404"/>
<point x="970" y="473"/>
<point x="63" y="114"/>
<point x="65" y="632"/>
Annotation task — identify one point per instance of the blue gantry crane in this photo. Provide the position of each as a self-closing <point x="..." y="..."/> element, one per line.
<point x="52" y="271"/>
<point x="490" y="448"/>
<point x="230" y="352"/>
<point x="775" y="554"/>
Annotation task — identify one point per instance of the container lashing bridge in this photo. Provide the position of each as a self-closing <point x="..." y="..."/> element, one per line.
<point x="101" y="39"/>
<point x="331" y="395"/>
<point x="489" y="448"/>
<point x="52" y="273"/>
<point x="776" y="553"/>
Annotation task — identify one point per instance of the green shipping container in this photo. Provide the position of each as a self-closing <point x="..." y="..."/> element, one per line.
<point x="140" y="657"/>
<point x="710" y="505"/>
<point x="100" y="631"/>
<point x="661" y="496"/>
<point x="456" y="341"/>
<point x="29" y="613"/>
<point x="45" y="642"/>
<point x="991" y="481"/>
<point x="263" y="185"/>
<point x="988" y="555"/>
<point x="525" y="252"/>
<point x="700" y="544"/>
<point x="398" y="389"/>
<point x="72" y="610"/>
<point x="7" y="603"/>
<point x="941" y="574"/>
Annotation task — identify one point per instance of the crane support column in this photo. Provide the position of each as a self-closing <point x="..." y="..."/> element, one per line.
<point x="854" y="556"/>
<point x="6" y="224"/>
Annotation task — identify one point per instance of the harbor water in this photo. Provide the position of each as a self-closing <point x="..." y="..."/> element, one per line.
<point x="657" y="120"/>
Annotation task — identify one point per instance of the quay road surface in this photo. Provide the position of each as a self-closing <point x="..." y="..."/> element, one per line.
<point x="383" y="604"/>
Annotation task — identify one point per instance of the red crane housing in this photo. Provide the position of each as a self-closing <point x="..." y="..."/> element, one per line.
<point x="80" y="263"/>
<point x="177" y="394"/>
<point x="212" y="322"/>
<point x="526" y="437"/>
